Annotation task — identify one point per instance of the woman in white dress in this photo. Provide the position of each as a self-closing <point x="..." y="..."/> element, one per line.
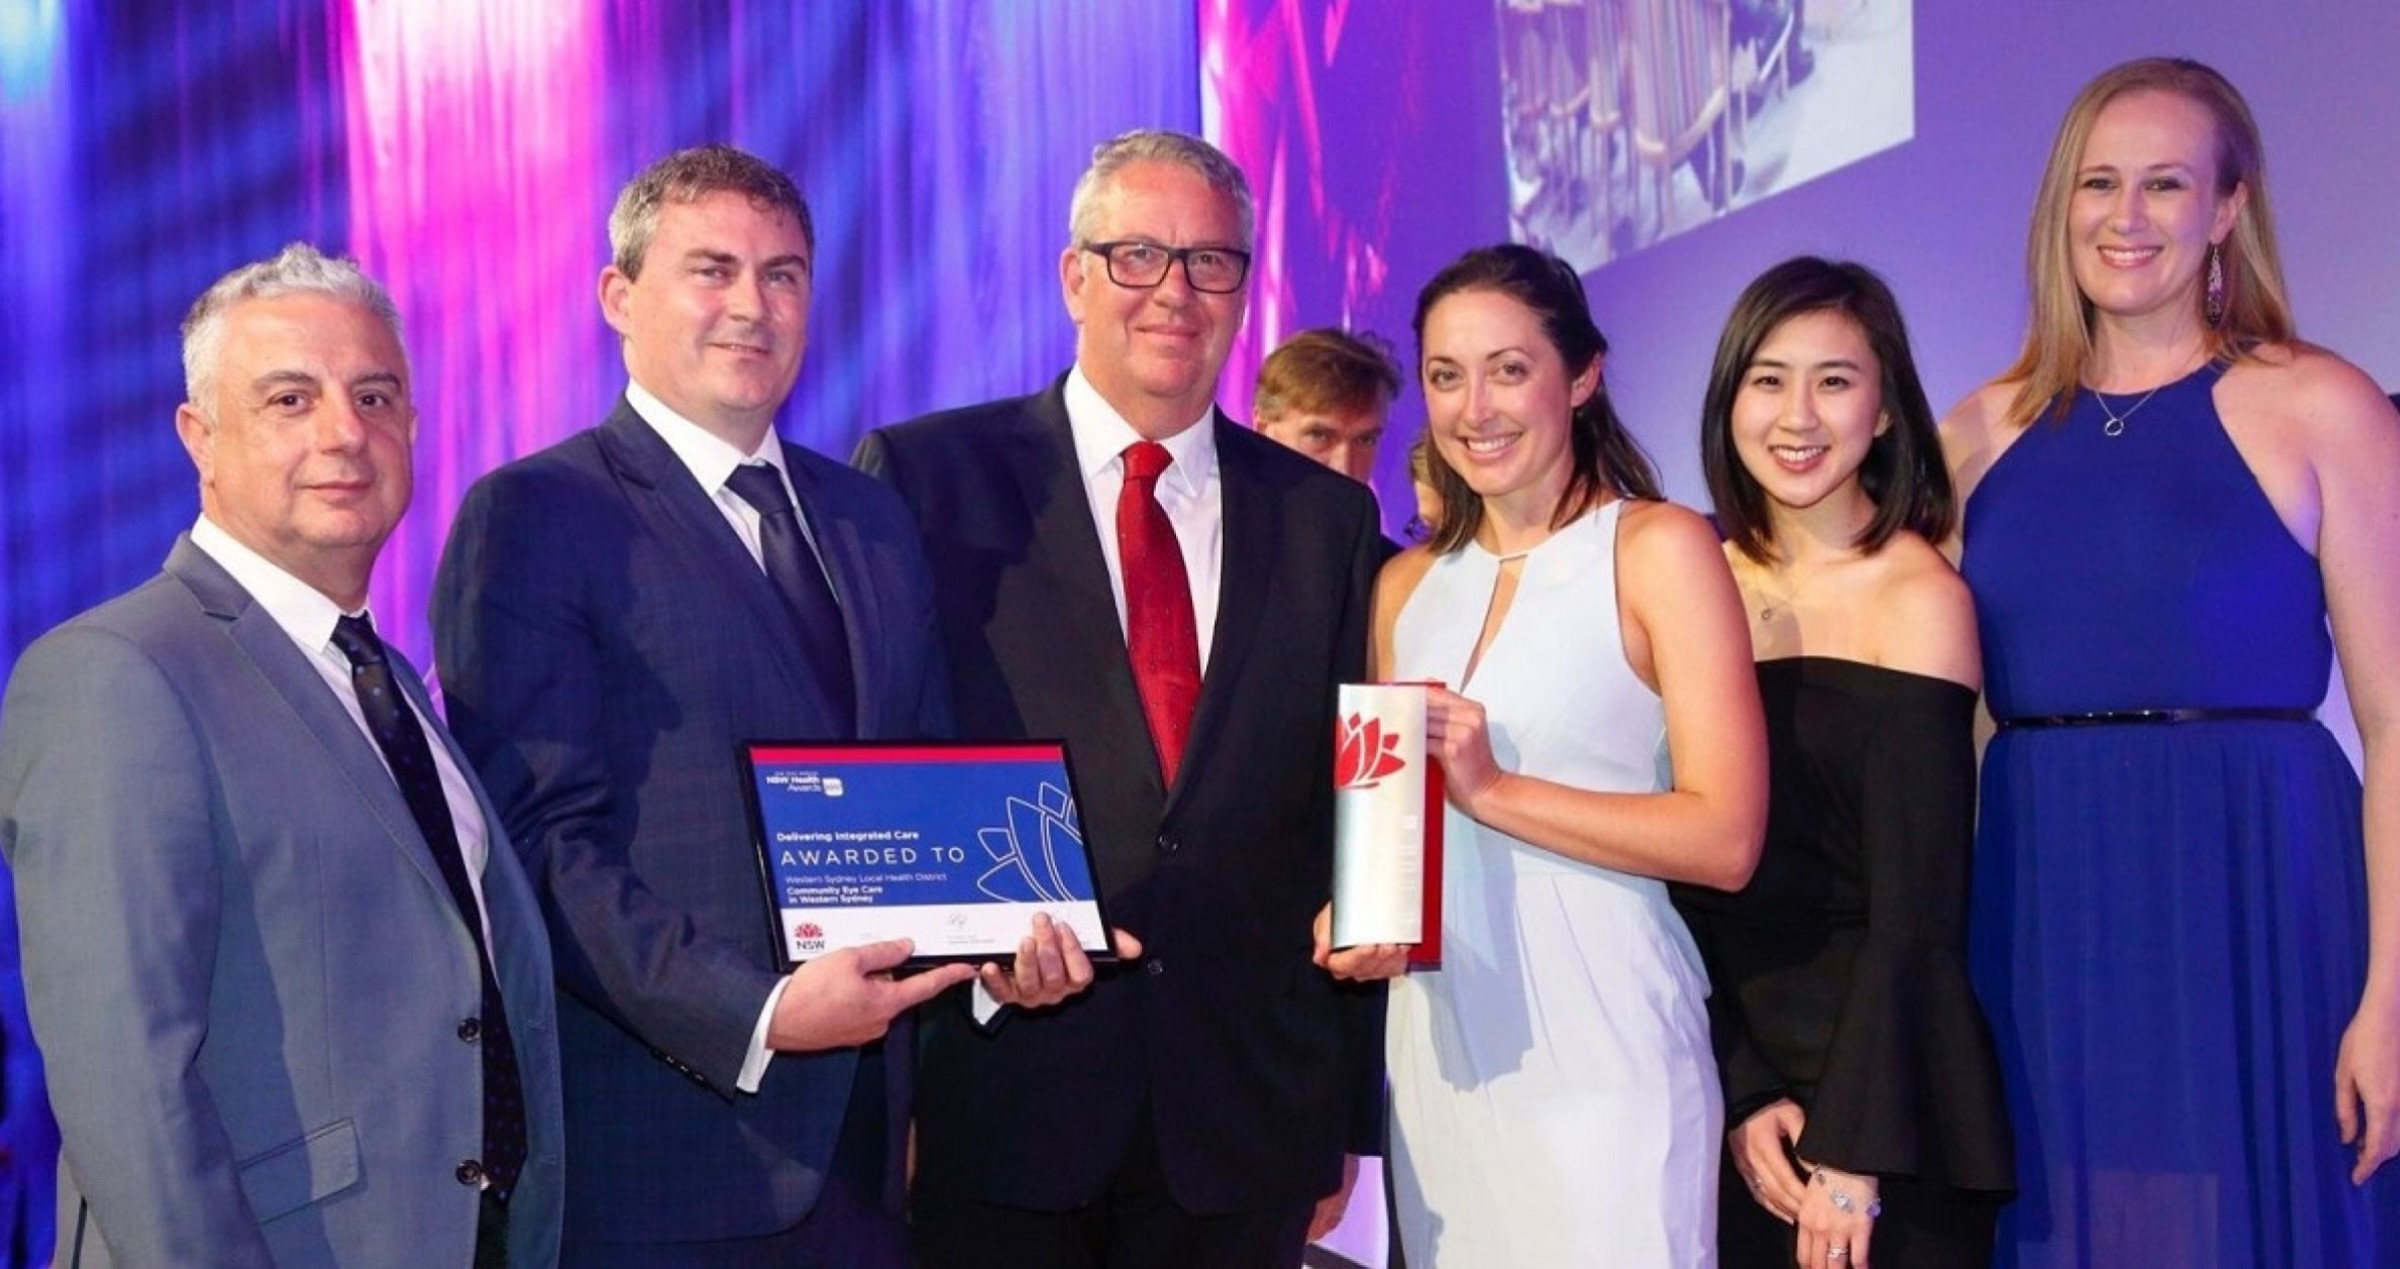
<point x="1554" y="1100"/>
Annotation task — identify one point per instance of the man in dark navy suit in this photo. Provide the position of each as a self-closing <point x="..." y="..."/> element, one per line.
<point x="1119" y="564"/>
<point x="612" y="616"/>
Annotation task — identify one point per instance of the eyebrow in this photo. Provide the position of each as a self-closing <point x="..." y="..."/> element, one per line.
<point x="1831" y="363"/>
<point x="2176" y="165"/>
<point x="302" y="379"/>
<point x="714" y="256"/>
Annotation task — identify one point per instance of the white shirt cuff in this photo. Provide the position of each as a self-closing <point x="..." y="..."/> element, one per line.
<point x="754" y="1067"/>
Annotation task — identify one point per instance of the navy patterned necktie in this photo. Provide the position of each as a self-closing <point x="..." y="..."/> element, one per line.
<point x="807" y="595"/>
<point x="402" y="740"/>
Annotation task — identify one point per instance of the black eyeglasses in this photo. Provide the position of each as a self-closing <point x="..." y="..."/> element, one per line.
<point x="1142" y="265"/>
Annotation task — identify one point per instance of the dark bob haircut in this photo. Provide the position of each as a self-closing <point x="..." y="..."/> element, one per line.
<point x="1606" y="459"/>
<point x="1902" y="474"/>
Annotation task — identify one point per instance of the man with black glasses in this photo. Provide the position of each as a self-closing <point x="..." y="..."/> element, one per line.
<point x="1117" y="563"/>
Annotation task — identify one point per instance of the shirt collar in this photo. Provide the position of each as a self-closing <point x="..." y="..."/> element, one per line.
<point x="702" y="452"/>
<point x="1102" y="436"/>
<point x="304" y="612"/>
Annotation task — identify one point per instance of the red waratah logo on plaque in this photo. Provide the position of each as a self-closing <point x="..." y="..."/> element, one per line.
<point x="1363" y="754"/>
<point x="809" y="930"/>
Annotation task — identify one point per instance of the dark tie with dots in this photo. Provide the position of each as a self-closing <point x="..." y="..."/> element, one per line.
<point x="404" y="746"/>
<point x="1162" y="638"/>
<point x="807" y="596"/>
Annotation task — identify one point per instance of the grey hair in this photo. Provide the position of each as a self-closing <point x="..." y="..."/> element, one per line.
<point x="1155" y="145"/>
<point x="687" y="176"/>
<point x="299" y="269"/>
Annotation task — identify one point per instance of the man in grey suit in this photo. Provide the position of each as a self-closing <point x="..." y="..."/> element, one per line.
<point x="293" y="987"/>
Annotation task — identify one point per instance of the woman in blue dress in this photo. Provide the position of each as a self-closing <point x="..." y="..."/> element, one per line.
<point x="2187" y="921"/>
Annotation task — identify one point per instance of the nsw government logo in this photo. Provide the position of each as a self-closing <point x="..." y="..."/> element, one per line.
<point x="808" y="936"/>
<point x="1363" y="754"/>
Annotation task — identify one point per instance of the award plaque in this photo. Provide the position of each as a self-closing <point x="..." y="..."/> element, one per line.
<point x="953" y="845"/>
<point x="1387" y="822"/>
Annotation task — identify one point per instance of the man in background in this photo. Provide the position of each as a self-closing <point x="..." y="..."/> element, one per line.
<point x="1325" y="392"/>
<point x="293" y="989"/>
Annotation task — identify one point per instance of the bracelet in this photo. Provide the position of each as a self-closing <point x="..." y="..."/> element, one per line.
<point x="1842" y="1200"/>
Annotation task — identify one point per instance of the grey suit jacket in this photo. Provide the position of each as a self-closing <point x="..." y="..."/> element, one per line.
<point x="240" y="958"/>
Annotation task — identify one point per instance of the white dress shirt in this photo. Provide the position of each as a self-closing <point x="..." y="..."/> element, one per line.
<point x="1189" y="490"/>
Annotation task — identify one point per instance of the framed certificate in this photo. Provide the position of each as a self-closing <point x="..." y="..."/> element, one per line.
<point x="953" y="845"/>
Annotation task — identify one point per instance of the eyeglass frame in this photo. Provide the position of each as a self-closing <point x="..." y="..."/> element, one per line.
<point x="1175" y="256"/>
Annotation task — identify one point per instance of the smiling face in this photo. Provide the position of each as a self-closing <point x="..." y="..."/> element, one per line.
<point x="2145" y="206"/>
<point x="1809" y="408"/>
<point x="304" y="444"/>
<point x="1499" y="400"/>
<point x="1155" y="353"/>
<point x="717" y="320"/>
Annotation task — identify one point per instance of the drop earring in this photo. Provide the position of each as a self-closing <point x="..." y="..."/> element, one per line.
<point x="2212" y="304"/>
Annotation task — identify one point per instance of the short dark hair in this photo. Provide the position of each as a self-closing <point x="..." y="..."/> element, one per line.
<point x="687" y="176"/>
<point x="1606" y="458"/>
<point x="1326" y="370"/>
<point x="1902" y="474"/>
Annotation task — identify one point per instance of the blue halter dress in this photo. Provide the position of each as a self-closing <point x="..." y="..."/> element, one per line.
<point x="2169" y="925"/>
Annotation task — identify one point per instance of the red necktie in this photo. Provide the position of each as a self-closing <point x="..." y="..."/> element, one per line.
<point x="1161" y="636"/>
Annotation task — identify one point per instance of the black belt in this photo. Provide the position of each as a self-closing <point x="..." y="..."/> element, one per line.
<point x="2116" y="717"/>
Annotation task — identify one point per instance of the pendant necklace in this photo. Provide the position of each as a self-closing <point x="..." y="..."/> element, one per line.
<point x="2115" y="426"/>
<point x="1774" y="606"/>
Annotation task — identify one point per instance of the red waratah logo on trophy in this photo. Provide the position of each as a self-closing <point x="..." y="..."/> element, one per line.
<point x="809" y="936"/>
<point x="1363" y="754"/>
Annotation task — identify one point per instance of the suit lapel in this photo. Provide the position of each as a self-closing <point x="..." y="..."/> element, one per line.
<point x="1066" y="543"/>
<point x="687" y="519"/>
<point x="286" y="670"/>
<point x="1252" y="518"/>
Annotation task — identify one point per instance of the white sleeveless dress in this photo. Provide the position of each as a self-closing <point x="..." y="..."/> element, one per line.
<point x="1554" y="1098"/>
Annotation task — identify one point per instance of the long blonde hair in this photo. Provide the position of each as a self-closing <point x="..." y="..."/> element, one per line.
<point x="2058" y="341"/>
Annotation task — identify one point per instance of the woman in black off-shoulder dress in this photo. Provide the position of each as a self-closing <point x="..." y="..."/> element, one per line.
<point x="1865" y="1119"/>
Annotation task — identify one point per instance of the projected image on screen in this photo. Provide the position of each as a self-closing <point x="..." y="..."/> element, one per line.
<point x="1629" y="121"/>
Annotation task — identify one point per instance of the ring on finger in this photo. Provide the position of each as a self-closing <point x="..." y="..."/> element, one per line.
<point x="1837" y="1252"/>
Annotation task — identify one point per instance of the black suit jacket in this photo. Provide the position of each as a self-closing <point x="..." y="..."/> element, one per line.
<point x="1257" y="1069"/>
<point x="605" y="640"/>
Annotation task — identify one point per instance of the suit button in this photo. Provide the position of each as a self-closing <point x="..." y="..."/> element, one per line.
<point x="471" y="1030"/>
<point x="1155" y="966"/>
<point x="1167" y="843"/>
<point x="470" y="1173"/>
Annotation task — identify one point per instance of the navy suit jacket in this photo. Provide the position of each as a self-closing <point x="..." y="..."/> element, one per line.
<point x="242" y="961"/>
<point x="1256" y="1069"/>
<point x="605" y="641"/>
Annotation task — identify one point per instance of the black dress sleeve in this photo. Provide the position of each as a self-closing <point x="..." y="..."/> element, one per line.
<point x="1911" y="1083"/>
